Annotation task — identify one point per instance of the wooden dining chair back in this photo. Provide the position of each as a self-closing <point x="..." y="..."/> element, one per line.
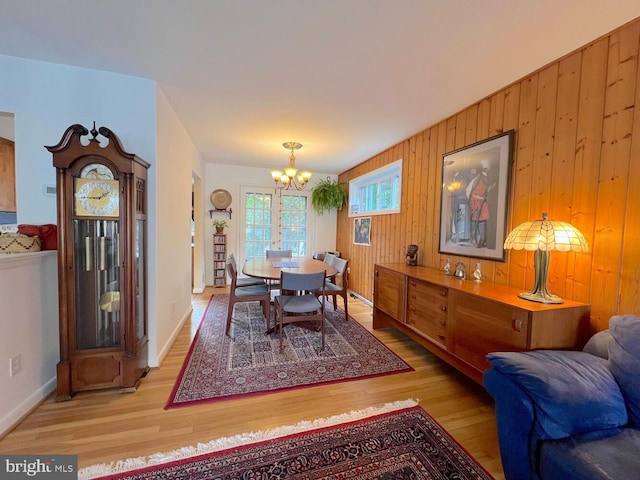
<point x="301" y="299"/>
<point x="279" y="253"/>
<point x="334" y="288"/>
<point x="252" y="293"/>
<point x="247" y="281"/>
<point x="329" y="258"/>
<point x="273" y="284"/>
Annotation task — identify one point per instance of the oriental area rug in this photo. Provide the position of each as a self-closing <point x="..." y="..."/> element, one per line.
<point x="250" y="362"/>
<point x="395" y="441"/>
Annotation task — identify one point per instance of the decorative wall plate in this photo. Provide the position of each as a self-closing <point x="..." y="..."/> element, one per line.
<point x="221" y="199"/>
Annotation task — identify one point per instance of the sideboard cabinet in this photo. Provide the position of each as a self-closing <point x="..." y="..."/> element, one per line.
<point x="461" y="321"/>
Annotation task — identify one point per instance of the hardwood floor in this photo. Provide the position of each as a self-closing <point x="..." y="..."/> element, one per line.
<point x="103" y="426"/>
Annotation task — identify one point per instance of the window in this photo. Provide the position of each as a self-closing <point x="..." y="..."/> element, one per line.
<point x="377" y="192"/>
<point x="275" y="222"/>
<point x="294" y="224"/>
<point x="258" y="223"/>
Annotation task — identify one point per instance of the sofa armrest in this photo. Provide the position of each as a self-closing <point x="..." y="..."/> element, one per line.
<point x="572" y="392"/>
<point x="515" y="422"/>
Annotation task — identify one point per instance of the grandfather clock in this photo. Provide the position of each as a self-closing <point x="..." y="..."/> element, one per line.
<point x="102" y="227"/>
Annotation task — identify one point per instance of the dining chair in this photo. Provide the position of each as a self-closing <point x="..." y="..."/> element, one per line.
<point x="299" y="300"/>
<point x="244" y="282"/>
<point x="273" y="284"/>
<point x="328" y="260"/>
<point x="332" y="288"/>
<point x="253" y="293"/>
<point x="279" y="253"/>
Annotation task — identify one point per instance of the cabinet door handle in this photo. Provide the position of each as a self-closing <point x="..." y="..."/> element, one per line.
<point x="443" y="293"/>
<point x="413" y="296"/>
<point x="517" y="325"/>
<point x="443" y="323"/>
<point x="443" y="308"/>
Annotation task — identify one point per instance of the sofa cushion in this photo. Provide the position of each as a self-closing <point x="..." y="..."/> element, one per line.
<point x="609" y="454"/>
<point x="573" y="392"/>
<point x="624" y="358"/>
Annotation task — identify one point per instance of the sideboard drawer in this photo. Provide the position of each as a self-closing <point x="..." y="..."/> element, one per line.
<point x="427" y="307"/>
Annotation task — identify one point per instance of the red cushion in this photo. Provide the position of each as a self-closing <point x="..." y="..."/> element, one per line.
<point x="47" y="233"/>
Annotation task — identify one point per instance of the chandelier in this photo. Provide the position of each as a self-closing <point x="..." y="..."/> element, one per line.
<point x="289" y="177"/>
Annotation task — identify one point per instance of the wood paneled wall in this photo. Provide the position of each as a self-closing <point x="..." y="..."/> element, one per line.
<point x="576" y="156"/>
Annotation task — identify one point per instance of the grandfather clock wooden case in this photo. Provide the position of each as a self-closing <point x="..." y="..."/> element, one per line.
<point x="102" y="225"/>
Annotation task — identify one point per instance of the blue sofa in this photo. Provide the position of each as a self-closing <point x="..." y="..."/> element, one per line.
<point x="571" y="414"/>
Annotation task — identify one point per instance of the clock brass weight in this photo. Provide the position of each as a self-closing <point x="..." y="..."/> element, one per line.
<point x="102" y="263"/>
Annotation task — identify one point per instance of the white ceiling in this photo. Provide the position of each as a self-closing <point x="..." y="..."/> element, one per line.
<point x="346" y="78"/>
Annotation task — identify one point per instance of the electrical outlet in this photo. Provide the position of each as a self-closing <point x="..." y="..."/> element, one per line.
<point x="15" y="365"/>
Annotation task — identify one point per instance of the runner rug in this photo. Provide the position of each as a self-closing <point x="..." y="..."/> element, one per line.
<point x="395" y="441"/>
<point x="249" y="362"/>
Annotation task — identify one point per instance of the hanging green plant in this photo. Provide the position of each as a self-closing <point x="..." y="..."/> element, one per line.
<point x="328" y="195"/>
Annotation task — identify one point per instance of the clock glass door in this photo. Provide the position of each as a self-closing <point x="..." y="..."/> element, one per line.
<point x="139" y="285"/>
<point x="97" y="292"/>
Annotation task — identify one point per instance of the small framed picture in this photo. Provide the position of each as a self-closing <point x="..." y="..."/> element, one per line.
<point x="475" y="198"/>
<point x="362" y="231"/>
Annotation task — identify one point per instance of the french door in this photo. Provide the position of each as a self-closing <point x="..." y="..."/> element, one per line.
<point x="274" y="220"/>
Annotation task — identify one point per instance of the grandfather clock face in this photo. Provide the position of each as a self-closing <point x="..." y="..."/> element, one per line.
<point x="96" y="192"/>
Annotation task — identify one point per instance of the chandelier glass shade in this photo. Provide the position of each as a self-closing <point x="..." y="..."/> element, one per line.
<point x="543" y="237"/>
<point x="290" y="177"/>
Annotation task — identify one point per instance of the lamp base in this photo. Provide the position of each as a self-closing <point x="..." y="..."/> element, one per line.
<point x="539" y="293"/>
<point x="541" y="297"/>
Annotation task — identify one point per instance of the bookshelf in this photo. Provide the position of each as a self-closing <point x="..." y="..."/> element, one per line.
<point x="219" y="260"/>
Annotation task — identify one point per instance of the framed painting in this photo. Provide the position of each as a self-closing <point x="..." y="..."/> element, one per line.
<point x="475" y="197"/>
<point x="362" y="231"/>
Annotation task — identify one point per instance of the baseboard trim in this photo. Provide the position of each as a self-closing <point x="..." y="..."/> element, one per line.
<point x="361" y="298"/>
<point x="172" y="339"/>
<point x="24" y="408"/>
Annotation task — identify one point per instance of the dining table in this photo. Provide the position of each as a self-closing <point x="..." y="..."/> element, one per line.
<point x="270" y="268"/>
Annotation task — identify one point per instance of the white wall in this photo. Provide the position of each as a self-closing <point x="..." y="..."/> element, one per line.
<point x="46" y="98"/>
<point x="170" y="267"/>
<point x="232" y="178"/>
<point x="29" y="328"/>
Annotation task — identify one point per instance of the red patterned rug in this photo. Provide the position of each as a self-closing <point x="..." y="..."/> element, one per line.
<point x="250" y="362"/>
<point x="396" y="441"/>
